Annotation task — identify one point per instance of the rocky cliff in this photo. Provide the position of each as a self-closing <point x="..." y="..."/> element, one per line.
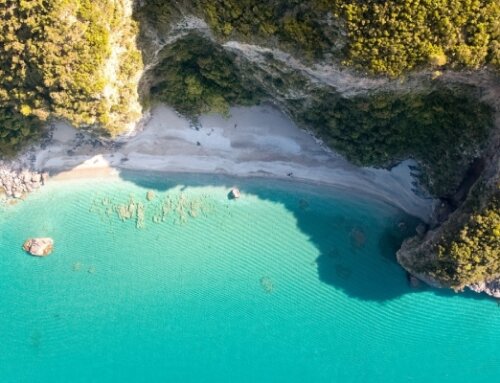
<point x="464" y="249"/>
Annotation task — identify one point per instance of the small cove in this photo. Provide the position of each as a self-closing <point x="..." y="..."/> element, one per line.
<point x="292" y="282"/>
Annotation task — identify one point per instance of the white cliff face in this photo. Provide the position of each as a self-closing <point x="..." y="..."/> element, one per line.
<point x="343" y="81"/>
<point x="491" y="288"/>
<point x="156" y="41"/>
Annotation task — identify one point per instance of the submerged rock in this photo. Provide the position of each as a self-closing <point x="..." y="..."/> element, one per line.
<point x="413" y="281"/>
<point x="358" y="237"/>
<point x="267" y="284"/>
<point x="150" y="195"/>
<point x="303" y="204"/>
<point x="39" y="247"/>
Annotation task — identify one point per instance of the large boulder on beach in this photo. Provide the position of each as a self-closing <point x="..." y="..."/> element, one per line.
<point x="39" y="247"/>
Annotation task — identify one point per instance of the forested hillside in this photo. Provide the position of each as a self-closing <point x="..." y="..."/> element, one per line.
<point x="470" y="253"/>
<point x="53" y="57"/>
<point x="380" y="37"/>
<point x="465" y="250"/>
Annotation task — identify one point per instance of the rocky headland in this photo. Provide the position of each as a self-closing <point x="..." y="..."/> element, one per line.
<point x="17" y="179"/>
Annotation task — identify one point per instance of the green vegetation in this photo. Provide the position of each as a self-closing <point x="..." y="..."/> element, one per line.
<point x="196" y="76"/>
<point x="160" y="14"/>
<point x="52" y="64"/>
<point x="443" y="130"/>
<point x="471" y="253"/>
<point x="395" y="36"/>
<point x="295" y="24"/>
<point x="16" y="130"/>
<point x="383" y="37"/>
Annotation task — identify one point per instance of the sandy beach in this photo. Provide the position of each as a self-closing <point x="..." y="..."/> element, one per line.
<point x="253" y="141"/>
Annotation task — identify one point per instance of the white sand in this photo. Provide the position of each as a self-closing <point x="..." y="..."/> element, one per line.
<point x="255" y="141"/>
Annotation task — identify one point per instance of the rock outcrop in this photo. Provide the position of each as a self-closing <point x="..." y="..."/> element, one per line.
<point x="489" y="287"/>
<point x="234" y="193"/>
<point x="39" y="247"/>
<point x="426" y="256"/>
<point x="16" y="180"/>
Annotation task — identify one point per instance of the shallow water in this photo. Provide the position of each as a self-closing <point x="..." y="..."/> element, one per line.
<point x="291" y="283"/>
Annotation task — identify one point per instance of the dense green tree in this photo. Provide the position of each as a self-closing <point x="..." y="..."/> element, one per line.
<point x="443" y="130"/>
<point x="196" y="76"/>
<point x="470" y="252"/>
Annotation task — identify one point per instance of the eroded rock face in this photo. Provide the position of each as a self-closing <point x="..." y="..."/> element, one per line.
<point x="39" y="247"/>
<point x="489" y="287"/>
<point x="419" y="255"/>
<point x="427" y="256"/>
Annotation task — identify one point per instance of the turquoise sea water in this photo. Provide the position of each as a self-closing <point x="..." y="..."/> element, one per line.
<point x="291" y="283"/>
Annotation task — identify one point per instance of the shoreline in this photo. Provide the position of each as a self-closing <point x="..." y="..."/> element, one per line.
<point x="255" y="141"/>
<point x="110" y="173"/>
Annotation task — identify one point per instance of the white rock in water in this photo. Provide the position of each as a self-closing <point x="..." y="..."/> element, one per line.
<point x="39" y="247"/>
<point x="489" y="287"/>
<point x="235" y="193"/>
